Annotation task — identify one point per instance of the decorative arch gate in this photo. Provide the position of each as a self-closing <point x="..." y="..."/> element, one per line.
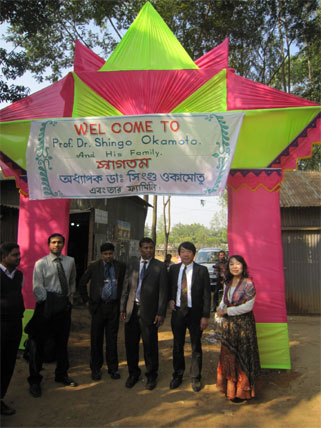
<point x="149" y="72"/>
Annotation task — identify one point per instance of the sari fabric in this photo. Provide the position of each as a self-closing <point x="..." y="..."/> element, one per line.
<point x="244" y="291"/>
<point x="239" y="363"/>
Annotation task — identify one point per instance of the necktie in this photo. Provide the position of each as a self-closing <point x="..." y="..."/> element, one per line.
<point x="62" y="277"/>
<point x="184" y="291"/>
<point x="107" y="289"/>
<point x="141" y="277"/>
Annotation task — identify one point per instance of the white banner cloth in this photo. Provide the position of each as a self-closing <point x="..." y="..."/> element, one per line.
<point x="104" y="157"/>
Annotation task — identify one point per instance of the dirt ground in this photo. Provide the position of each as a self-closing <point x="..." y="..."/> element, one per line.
<point x="285" y="398"/>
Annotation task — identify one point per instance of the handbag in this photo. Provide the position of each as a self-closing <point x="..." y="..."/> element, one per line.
<point x="218" y="325"/>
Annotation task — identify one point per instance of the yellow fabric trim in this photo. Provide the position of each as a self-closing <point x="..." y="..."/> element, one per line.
<point x="276" y="188"/>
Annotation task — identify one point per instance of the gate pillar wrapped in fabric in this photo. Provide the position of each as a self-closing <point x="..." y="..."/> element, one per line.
<point x="254" y="231"/>
<point x="37" y="221"/>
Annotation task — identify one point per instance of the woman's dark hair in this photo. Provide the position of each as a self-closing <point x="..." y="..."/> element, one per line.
<point x="240" y="259"/>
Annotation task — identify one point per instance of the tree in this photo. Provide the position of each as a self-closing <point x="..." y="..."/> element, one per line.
<point x="147" y="231"/>
<point x="276" y="42"/>
<point x="167" y="221"/>
<point x="43" y="35"/>
<point x="296" y="23"/>
<point x="313" y="163"/>
<point x="261" y="33"/>
<point x="154" y="222"/>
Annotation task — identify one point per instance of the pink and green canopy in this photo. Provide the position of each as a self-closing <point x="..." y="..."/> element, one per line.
<point x="150" y="72"/>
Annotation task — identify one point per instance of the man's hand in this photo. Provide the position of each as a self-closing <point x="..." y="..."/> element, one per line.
<point x="172" y="305"/>
<point x="123" y="316"/>
<point x="158" y="320"/>
<point x="204" y="323"/>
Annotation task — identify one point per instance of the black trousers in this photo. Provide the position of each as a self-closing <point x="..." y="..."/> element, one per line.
<point x="11" y="331"/>
<point x="39" y="329"/>
<point x="180" y="322"/>
<point x="134" y="329"/>
<point x="105" y="322"/>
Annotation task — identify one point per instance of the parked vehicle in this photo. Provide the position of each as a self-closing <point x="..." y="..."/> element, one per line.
<point x="208" y="257"/>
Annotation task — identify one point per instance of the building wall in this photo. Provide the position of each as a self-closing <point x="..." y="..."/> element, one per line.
<point x="302" y="253"/>
<point x="300" y="217"/>
<point x="117" y="220"/>
<point x="9" y="224"/>
<point x="9" y="211"/>
<point x="92" y="222"/>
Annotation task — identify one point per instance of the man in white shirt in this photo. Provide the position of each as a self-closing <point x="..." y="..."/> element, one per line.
<point x="190" y="304"/>
<point x="54" y="281"/>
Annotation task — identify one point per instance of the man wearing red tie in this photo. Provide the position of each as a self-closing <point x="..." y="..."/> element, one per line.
<point x="143" y="308"/>
<point x="190" y="306"/>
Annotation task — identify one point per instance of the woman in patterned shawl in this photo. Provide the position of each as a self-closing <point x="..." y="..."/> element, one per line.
<point x="239" y="363"/>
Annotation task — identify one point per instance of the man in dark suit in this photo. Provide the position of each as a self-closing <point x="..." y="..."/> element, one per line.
<point x="190" y="297"/>
<point x="143" y="308"/>
<point x="11" y="311"/>
<point x="106" y="278"/>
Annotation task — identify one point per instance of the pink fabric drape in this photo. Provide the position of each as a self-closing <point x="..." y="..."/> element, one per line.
<point x="10" y="169"/>
<point x="85" y="59"/>
<point x="217" y="57"/>
<point x="37" y="221"/>
<point x="146" y="91"/>
<point x="54" y="101"/>
<point x="254" y="231"/>
<point x="244" y="94"/>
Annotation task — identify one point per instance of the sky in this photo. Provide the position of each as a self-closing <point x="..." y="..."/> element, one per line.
<point x="187" y="209"/>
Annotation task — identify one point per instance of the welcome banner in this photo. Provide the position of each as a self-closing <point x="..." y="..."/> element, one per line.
<point x="104" y="157"/>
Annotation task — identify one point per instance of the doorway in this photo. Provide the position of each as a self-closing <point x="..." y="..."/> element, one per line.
<point x="78" y="240"/>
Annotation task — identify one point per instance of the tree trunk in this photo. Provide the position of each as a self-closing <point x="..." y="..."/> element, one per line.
<point x="167" y="222"/>
<point x="281" y="45"/>
<point x="154" y="223"/>
<point x="146" y="199"/>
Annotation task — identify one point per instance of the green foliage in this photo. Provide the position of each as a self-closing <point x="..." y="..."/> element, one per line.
<point x="313" y="163"/>
<point x="43" y="35"/>
<point x="262" y="36"/>
<point x="297" y="24"/>
<point x="200" y="235"/>
<point x="306" y="64"/>
<point x="147" y="231"/>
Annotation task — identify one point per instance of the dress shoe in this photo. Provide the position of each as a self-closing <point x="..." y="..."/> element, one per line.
<point x="196" y="385"/>
<point x="151" y="383"/>
<point x="6" y="410"/>
<point x="67" y="381"/>
<point x="35" y="390"/>
<point x="96" y="375"/>
<point x="131" y="381"/>
<point x="175" y="382"/>
<point x="115" y="375"/>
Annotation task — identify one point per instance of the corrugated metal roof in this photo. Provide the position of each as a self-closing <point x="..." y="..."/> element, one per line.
<point x="301" y="189"/>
